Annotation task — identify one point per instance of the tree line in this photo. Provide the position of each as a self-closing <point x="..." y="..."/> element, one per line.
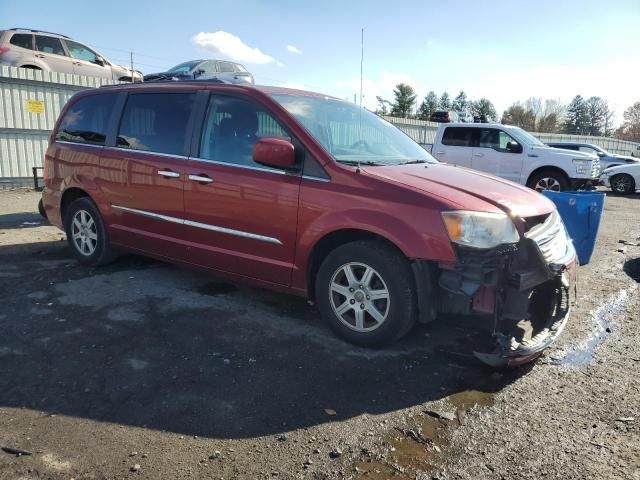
<point x="582" y="116"/>
<point x="405" y="104"/>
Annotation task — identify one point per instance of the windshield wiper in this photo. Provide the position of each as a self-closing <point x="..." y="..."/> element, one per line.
<point x="409" y="162"/>
<point x="355" y="163"/>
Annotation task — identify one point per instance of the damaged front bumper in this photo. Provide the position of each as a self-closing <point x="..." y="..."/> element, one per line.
<point x="525" y="291"/>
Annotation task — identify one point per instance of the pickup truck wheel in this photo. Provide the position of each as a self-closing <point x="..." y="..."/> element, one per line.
<point x="366" y="293"/>
<point x="548" y="180"/>
<point x="623" y="183"/>
<point x="86" y="233"/>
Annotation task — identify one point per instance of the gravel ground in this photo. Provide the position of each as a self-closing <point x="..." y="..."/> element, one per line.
<point x="144" y="370"/>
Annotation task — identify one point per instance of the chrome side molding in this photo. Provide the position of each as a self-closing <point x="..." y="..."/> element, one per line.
<point x="204" y="226"/>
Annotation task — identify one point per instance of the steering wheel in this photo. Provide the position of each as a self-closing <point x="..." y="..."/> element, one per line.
<point x="360" y="142"/>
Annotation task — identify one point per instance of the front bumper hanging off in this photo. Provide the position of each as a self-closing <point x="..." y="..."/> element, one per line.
<point x="526" y="290"/>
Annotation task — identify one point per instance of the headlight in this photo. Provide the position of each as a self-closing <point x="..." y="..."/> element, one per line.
<point x="479" y="229"/>
<point x="583" y="167"/>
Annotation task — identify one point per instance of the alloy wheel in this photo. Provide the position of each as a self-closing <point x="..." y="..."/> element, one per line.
<point x="622" y="184"/>
<point x="84" y="233"/>
<point x="359" y="297"/>
<point x="548" y="183"/>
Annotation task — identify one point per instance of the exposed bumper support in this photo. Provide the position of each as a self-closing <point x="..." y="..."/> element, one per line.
<point x="524" y="291"/>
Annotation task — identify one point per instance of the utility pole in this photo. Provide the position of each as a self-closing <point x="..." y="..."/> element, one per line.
<point x="131" y="67"/>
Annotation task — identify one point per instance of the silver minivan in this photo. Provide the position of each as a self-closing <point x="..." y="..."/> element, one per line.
<point x="52" y="52"/>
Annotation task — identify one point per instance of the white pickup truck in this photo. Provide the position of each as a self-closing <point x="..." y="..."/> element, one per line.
<point x="510" y="152"/>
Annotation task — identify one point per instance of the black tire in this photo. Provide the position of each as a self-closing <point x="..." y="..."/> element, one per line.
<point x="391" y="273"/>
<point x="623" y="183"/>
<point x="96" y="250"/>
<point x="557" y="180"/>
<point x="41" y="210"/>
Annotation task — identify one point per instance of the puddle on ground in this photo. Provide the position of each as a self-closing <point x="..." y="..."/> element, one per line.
<point x="602" y="317"/>
<point x="217" y="288"/>
<point x="422" y="447"/>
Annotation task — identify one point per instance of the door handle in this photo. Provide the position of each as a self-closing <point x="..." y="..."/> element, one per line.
<point x="168" y="173"/>
<point x="440" y="153"/>
<point x="39" y="55"/>
<point x="478" y="154"/>
<point x="201" y="178"/>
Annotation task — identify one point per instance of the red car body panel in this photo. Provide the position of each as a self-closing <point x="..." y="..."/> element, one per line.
<point x="401" y="204"/>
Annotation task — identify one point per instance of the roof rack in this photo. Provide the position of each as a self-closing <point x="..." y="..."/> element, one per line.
<point x="146" y="82"/>
<point x="178" y="80"/>
<point x="36" y="31"/>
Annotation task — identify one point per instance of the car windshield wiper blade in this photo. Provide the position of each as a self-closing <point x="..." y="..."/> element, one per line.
<point x="409" y="162"/>
<point x="367" y="163"/>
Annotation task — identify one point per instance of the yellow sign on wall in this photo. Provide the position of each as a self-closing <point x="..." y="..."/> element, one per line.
<point x="35" y="106"/>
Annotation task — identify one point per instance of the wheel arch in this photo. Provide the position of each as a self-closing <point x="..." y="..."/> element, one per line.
<point x="547" y="168"/>
<point x="332" y="240"/>
<point x="68" y="197"/>
<point x="31" y="67"/>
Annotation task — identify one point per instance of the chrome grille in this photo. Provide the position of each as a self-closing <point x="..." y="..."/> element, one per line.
<point x="595" y="168"/>
<point x="552" y="240"/>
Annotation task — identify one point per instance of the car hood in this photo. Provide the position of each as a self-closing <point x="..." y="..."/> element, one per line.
<point x="626" y="157"/>
<point x="544" y="149"/>
<point x="124" y="71"/>
<point x="466" y="189"/>
<point x="630" y="168"/>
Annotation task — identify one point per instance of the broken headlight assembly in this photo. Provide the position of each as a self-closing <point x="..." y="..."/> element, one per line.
<point x="480" y="229"/>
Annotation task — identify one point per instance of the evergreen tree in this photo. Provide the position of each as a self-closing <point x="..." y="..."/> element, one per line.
<point x="484" y="108"/>
<point x="445" y="102"/>
<point x="428" y="106"/>
<point x="405" y="99"/>
<point x="577" y="117"/>
<point x="460" y="103"/>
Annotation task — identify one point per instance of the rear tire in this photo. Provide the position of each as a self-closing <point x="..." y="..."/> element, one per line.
<point x="366" y="293"/>
<point x="86" y="233"/>
<point x="548" y="180"/>
<point x="623" y="183"/>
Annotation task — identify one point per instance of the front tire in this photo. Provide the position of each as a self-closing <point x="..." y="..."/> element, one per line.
<point x="623" y="183"/>
<point x="86" y="233"/>
<point x="548" y="180"/>
<point x="366" y="293"/>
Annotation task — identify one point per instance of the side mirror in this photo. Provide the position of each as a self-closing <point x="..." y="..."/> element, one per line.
<point x="274" y="152"/>
<point x="198" y="72"/>
<point x="514" y="147"/>
<point x="601" y="154"/>
<point x="99" y="60"/>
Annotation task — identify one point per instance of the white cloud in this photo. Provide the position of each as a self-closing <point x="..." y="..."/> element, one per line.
<point x="293" y="49"/>
<point x="280" y="64"/>
<point x="227" y="44"/>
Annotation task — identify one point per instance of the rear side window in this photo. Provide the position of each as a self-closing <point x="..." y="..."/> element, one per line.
<point x="87" y="120"/>
<point x="49" y="45"/>
<point x="156" y="122"/>
<point x="458" y="137"/>
<point x="24" y="40"/>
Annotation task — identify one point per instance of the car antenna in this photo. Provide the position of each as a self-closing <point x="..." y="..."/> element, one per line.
<point x="360" y="119"/>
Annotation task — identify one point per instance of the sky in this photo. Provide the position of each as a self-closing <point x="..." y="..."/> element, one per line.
<point x="503" y="50"/>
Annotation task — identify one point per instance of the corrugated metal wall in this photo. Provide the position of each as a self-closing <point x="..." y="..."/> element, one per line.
<point x="25" y="125"/>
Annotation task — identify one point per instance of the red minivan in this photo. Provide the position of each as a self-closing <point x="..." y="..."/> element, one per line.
<point x="311" y="195"/>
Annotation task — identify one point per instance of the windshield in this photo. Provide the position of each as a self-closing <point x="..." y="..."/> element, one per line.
<point x="526" y="137"/>
<point x="352" y="135"/>
<point x="185" y="67"/>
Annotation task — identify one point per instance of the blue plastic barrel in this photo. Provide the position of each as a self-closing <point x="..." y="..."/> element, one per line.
<point x="581" y="213"/>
